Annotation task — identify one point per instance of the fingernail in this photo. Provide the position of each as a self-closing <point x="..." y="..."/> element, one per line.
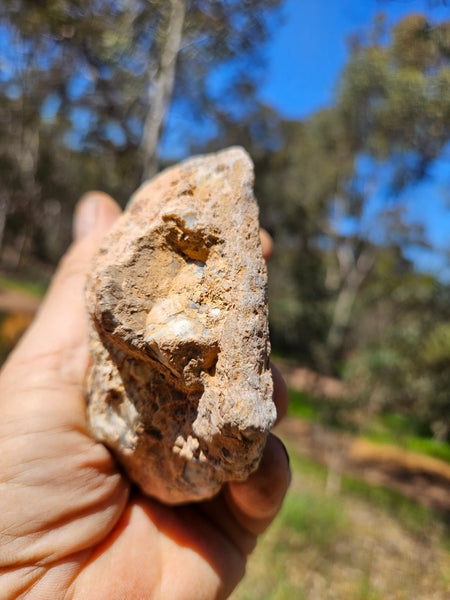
<point x="85" y="217"/>
<point x="287" y="458"/>
<point x="287" y="455"/>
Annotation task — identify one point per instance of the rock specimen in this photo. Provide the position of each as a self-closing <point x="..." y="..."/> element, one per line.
<point x="180" y="388"/>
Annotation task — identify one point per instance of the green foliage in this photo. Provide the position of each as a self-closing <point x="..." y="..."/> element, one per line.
<point x="332" y="412"/>
<point x="403" y="368"/>
<point x="436" y="347"/>
<point x="34" y="287"/>
<point x="76" y="88"/>
<point x="409" y="431"/>
<point x="431" y="447"/>
<point x="391" y="114"/>
<point x="394" y="99"/>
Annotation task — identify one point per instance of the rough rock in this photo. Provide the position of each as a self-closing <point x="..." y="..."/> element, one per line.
<point x="180" y="388"/>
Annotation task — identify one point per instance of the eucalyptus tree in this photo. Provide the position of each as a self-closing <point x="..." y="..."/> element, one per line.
<point x="390" y="121"/>
<point x="103" y="83"/>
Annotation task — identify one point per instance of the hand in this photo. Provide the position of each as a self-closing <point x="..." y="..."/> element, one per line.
<point x="69" y="525"/>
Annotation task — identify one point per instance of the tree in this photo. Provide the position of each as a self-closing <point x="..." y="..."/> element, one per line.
<point x="400" y="367"/>
<point x="98" y="82"/>
<point x="390" y="121"/>
<point x="161" y="87"/>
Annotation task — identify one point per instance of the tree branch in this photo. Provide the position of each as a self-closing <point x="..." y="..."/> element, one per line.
<point x="343" y="307"/>
<point x="161" y="89"/>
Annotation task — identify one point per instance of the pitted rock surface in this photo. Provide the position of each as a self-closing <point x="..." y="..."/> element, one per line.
<point x="180" y="388"/>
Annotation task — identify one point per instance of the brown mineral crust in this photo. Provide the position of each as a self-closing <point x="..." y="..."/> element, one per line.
<point x="180" y="387"/>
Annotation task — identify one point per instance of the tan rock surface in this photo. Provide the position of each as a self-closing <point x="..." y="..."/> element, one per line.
<point x="180" y="388"/>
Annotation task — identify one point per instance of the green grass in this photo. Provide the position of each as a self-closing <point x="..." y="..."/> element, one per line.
<point x="408" y="433"/>
<point x="412" y="516"/>
<point x="33" y="287"/>
<point x="428" y="446"/>
<point x="365" y="590"/>
<point x="303" y="406"/>
<point x="308" y="522"/>
<point x="306" y="466"/>
<point x="349" y="546"/>
<point x="332" y="412"/>
<point x="399" y="430"/>
<point x="431" y="447"/>
<point x="315" y="520"/>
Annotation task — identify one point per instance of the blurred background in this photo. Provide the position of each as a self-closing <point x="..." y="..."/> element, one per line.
<point x="344" y="107"/>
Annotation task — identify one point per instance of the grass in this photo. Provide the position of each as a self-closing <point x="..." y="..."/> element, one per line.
<point x="364" y="544"/>
<point x="399" y="430"/>
<point x="31" y="287"/>
<point x="412" y="516"/>
<point x="13" y="324"/>
<point x="328" y="411"/>
<point x="315" y="520"/>
<point x="408" y="433"/>
<point x="303" y="406"/>
<point x="428" y="446"/>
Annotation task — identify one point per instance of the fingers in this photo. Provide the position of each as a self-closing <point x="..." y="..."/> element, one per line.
<point x="280" y="393"/>
<point x="266" y="243"/>
<point x="94" y="215"/>
<point x="255" y="502"/>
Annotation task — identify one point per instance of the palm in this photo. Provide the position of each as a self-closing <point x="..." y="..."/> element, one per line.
<point x="159" y="552"/>
<point x="82" y="522"/>
<point x="69" y="525"/>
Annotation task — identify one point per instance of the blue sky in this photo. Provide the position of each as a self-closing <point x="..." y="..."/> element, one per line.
<point x="305" y="58"/>
<point x="310" y="48"/>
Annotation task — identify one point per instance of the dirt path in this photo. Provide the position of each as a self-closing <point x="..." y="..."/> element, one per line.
<point x="18" y="302"/>
<point x="421" y="478"/>
<point x="314" y="384"/>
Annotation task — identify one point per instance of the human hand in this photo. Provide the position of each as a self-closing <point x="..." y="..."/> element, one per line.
<point x="70" y="527"/>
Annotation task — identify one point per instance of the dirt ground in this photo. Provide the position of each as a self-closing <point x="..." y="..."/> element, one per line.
<point x="18" y="302"/>
<point x="331" y="544"/>
<point x="421" y="478"/>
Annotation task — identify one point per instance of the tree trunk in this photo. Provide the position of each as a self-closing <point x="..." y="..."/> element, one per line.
<point x="4" y="210"/>
<point x="345" y="301"/>
<point x="161" y="89"/>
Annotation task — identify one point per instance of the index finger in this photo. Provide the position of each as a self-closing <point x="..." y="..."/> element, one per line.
<point x="256" y="501"/>
<point x="266" y="243"/>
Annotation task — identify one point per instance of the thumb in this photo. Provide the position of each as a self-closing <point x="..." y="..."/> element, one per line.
<point x="59" y="333"/>
<point x="93" y="217"/>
